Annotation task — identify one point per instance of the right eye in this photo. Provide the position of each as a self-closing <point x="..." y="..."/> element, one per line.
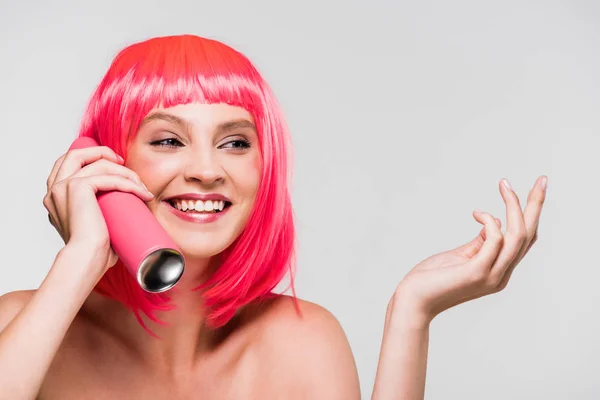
<point x="170" y="142"/>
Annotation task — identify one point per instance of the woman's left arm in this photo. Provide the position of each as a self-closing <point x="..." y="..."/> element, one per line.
<point x="478" y="268"/>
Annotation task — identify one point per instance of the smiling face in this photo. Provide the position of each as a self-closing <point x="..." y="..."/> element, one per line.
<point x="196" y="159"/>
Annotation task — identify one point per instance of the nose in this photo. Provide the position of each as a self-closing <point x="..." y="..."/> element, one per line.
<point x="204" y="167"/>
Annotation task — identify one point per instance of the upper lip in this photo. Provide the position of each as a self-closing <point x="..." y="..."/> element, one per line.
<point x="199" y="196"/>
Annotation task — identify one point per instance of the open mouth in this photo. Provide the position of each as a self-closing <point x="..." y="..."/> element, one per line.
<point x="199" y="206"/>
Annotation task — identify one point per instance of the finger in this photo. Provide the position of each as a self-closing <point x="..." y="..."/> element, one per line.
<point x="105" y="167"/>
<point x="54" y="171"/>
<point x="107" y="183"/>
<point x="492" y="244"/>
<point x="49" y="204"/>
<point x="60" y="197"/>
<point x="49" y="201"/>
<point x="458" y="278"/>
<point x="533" y="210"/>
<point x="77" y="159"/>
<point x="60" y="170"/>
<point x="515" y="236"/>
<point x="81" y="191"/>
<point x="504" y="281"/>
<point x="471" y="248"/>
<point x="56" y="204"/>
<point x="498" y="224"/>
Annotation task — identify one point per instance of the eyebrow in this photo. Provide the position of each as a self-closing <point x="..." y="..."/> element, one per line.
<point x="185" y="124"/>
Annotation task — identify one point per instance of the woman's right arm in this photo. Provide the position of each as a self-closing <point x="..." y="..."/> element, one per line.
<point x="32" y="329"/>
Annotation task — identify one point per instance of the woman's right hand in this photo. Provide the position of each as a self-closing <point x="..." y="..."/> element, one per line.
<point x="71" y="201"/>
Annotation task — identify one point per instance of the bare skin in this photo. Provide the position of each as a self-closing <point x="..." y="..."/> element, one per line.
<point x="64" y="341"/>
<point x="478" y="268"/>
<point x="103" y="356"/>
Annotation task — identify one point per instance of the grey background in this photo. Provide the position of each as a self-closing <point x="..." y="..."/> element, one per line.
<point x="405" y="115"/>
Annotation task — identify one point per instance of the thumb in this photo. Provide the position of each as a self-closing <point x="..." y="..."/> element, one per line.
<point x="471" y="248"/>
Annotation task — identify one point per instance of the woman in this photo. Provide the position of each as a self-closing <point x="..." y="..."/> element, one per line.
<point x="189" y="126"/>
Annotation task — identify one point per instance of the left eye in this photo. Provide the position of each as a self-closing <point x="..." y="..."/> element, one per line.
<point x="236" y="144"/>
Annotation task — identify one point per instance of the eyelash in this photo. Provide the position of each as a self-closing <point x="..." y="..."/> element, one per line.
<point x="245" y="143"/>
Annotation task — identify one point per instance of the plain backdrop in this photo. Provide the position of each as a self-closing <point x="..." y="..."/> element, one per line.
<point x="405" y="115"/>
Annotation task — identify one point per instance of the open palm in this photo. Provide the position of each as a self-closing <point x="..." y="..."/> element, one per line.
<point x="483" y="265"/>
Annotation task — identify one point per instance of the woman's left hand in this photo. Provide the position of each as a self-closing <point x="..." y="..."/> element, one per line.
<point x="478" y="268"/>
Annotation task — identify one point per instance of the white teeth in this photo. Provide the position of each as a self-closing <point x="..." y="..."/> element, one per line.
<point x="199" y="205"/>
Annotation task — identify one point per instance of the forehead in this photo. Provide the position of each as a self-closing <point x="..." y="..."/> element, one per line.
<point x="202" y="115"/>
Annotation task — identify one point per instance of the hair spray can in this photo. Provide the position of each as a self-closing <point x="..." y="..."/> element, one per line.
<point x="141" y="243"/>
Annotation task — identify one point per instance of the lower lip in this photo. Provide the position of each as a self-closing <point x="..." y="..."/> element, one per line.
<point x="197" y="217"/>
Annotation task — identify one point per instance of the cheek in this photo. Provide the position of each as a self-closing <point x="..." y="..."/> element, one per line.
<point x="247" y="176"/>
<point x="154" y="170"/>
<point x="255" y="170"/>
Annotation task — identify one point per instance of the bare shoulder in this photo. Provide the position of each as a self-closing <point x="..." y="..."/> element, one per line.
<point x="304" y="319"/>
<point x="11" y="304"/>
<point x="310" y="343"/>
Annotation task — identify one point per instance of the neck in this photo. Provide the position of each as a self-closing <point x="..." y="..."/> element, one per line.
<point x="185" y="336"/>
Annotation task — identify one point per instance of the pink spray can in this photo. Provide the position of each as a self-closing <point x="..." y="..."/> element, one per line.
<point x="141" y="243"/>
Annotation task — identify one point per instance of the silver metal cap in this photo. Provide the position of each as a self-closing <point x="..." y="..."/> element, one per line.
<point x="160" y="270"/>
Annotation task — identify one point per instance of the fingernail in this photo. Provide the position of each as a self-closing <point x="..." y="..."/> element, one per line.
<point x="121" y="158"/>
<point x="507" y="183"/>
<point x="544" y="183"/>
<point x="147" y="191"/>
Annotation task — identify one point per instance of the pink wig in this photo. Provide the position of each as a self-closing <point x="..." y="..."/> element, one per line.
<point x="168" y="71"/>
